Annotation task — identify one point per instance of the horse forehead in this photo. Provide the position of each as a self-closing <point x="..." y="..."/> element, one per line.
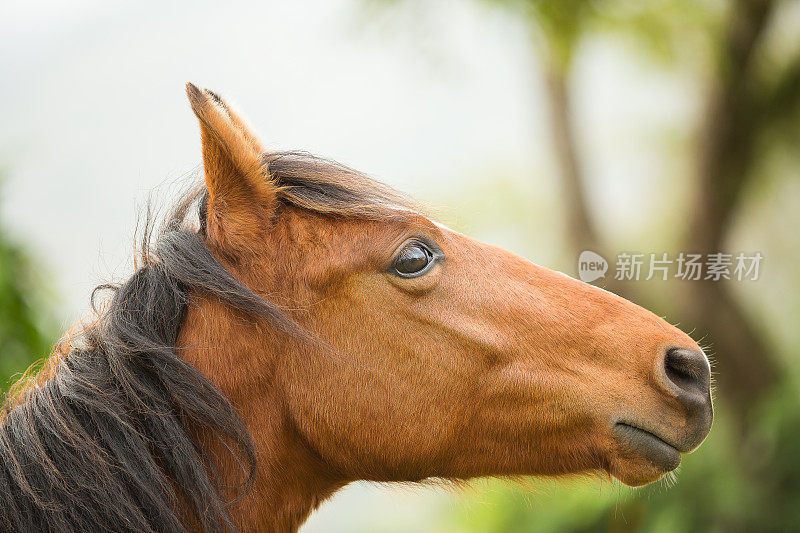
<point x="313" y="230"/>
<point x="396" y="221"/>
<point x="414" y="218"/>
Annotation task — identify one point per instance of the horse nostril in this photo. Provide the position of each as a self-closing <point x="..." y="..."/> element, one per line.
<point x="688" y="371"/>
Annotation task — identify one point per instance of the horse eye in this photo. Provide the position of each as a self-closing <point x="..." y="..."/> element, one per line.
<point x="413" y="260"/>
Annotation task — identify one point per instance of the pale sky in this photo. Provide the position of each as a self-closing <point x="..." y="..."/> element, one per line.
<point x="94" y="117"/>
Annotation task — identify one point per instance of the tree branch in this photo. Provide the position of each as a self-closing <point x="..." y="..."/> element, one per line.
<point x="729" y="131"/>
<point x="580" y="228"/>
<point x="783" y="98"/>
<point x="728" y="141"/>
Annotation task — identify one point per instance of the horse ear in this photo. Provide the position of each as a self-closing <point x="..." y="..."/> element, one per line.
<point x="240" y="193"/>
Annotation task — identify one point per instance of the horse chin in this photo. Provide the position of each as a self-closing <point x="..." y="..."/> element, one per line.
<point x="638" y="473"/>
<point x="643" y="460"/>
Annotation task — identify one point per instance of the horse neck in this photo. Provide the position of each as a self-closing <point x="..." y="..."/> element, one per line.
<point x="291" y="478"/>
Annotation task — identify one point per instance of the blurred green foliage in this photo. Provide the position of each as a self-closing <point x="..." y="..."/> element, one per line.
<point x="26" y="325"/>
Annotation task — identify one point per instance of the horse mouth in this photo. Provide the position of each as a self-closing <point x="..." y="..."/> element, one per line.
<point x="649" y="446"/>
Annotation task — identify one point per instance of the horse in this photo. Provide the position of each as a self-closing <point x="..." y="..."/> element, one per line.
<point x="294" y="326"/>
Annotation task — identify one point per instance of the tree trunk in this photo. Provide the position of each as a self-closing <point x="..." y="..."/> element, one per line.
<point x="746" y="367"/>
<point x="580" y="230"/>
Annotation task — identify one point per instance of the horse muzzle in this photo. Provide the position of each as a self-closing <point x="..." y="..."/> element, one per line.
<point x="684" y="376"/>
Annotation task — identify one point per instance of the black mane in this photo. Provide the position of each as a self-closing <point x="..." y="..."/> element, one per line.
<point x="108" y="441"/>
